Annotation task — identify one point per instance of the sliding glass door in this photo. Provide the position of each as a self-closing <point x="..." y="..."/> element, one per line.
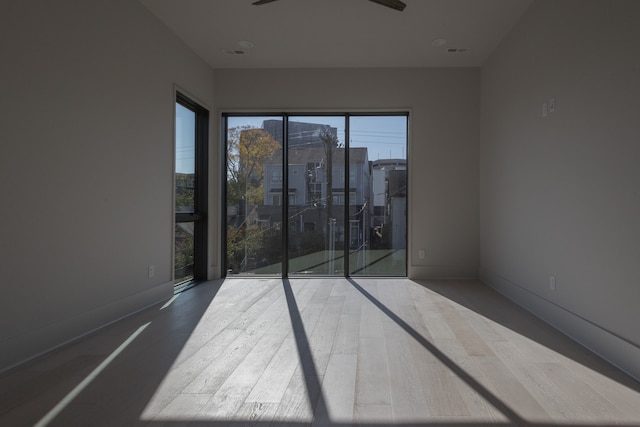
<point x="379" y="222"/>
<point x="254" y="196"/>
<point x="321" y="195"/>
<point x="315" y="158"/>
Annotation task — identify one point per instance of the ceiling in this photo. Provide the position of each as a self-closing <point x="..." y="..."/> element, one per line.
<point x="339" y="33"/>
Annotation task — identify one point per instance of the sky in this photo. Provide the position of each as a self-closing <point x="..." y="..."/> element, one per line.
<point x="185" y="139"/>
<point x="384" y="136"/>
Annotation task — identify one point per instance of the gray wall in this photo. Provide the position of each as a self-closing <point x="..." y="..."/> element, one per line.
<point x="444" y="138"/>
<point x="559" y="194"/>
<point x="86" y="160"/>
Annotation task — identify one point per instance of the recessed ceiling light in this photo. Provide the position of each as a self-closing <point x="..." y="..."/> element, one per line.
<point x="246" y="44"/>
<point x="439" y="42"/>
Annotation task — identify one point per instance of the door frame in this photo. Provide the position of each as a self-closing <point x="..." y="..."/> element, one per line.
<point x="201" y="175"/>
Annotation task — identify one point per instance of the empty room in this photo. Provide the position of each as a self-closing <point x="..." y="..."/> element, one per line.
<point x="320" y="212"/>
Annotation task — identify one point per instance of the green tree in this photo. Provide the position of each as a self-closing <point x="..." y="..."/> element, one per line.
<point x="184" y="191"/>
<point x="248" y="149"/>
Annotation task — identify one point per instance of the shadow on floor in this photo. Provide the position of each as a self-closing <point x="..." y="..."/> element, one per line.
<point x="128" y="382"/>
<point x="484" y="300"/>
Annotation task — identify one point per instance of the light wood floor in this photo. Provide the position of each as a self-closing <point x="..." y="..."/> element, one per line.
<point x="324" y="352"/>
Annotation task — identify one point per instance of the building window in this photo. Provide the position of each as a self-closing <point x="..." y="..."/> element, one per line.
<point x="338" y="176"/>
<point x="338" y="198"/>
<point x="353" y="176"/>
<point x="315" y="194"/>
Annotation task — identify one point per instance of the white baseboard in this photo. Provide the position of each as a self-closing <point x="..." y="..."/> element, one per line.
<point x="616" y="350"/>
<point x="24" y="347"/>
<point x="442" y="272"/>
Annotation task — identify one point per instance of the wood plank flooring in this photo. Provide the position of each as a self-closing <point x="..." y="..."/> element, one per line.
<point x="323" y="352"/>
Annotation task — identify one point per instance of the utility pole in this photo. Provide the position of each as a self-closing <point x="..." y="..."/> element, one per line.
<point x="330" y="144"/>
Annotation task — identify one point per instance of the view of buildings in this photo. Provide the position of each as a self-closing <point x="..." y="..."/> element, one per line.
<point x="324" y="207"/>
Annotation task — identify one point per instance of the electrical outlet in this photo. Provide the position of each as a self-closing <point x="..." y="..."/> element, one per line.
<point x="421" y="254"/>
<point x="152" y="270"/>
<point x="552" y="283"/>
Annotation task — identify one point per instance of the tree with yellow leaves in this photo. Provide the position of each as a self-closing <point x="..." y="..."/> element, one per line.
<point x="247" y="151"/>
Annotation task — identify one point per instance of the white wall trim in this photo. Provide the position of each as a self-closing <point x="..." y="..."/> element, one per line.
<point x="24" y="347"/>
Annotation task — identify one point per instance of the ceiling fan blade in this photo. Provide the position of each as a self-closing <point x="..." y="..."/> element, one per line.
<point x="393" y="4"/>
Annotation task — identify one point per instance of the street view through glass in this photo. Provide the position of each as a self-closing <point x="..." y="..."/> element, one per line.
<point x="338" y="209"/>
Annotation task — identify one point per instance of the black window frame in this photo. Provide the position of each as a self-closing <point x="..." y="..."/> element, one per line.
<point x="285" y="116"/>
<point x="201" y="192"/>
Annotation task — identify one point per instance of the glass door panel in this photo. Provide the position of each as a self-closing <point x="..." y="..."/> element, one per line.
<point x="316" y="168"/>
<point x="190" y="192"/>
<point x="184" y="252"/>
<point x="378" y="205"/>
<point x="339" y="207"/>
<point x="184" y="191"/>
<point x="255" y="196"/>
